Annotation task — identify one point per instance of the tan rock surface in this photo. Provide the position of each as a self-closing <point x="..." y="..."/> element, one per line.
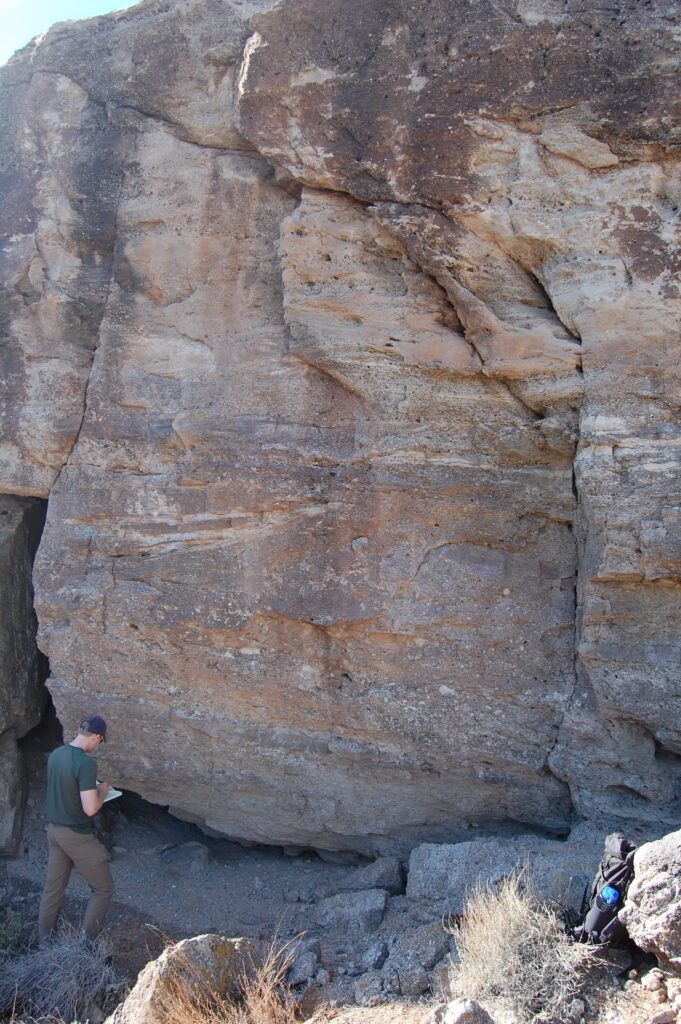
<point x="311" y="435"/>
<point x="521" y="186"/>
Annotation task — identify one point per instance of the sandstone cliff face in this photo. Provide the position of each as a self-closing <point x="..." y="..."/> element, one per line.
<point x="344" y="340"/>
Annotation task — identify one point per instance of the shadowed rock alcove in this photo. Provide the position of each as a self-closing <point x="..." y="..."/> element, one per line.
<point x="23" y="669"/>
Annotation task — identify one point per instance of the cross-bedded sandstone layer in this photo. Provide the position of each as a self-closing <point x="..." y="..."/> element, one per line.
<point x="344" y="340"/>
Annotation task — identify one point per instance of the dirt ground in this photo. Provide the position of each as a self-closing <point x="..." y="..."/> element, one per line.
<point x="391" y="1013"/>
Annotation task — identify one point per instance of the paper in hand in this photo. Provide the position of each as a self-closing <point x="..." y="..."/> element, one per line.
<point x="112" y="794"/>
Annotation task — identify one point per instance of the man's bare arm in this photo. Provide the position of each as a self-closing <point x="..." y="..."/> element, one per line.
<point x="92" y="799"/>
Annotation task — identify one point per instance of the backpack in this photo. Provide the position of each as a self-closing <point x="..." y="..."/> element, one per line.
<point x="603" y="901"/>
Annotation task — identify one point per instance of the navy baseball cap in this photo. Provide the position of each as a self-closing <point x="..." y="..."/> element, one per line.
<point x="95" y="724"/>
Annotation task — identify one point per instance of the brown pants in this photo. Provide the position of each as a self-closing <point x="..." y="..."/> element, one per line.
<point x="66" y="849"/>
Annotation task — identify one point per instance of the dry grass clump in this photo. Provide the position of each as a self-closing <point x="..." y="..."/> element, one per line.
<point x="62" y="979"/>
<point x="515" y="957"/>
<point x="262" y="997"/>
<point x="11" y="924"/>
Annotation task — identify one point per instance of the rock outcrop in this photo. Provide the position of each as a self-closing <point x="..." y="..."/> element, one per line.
<point x="652" y="912"/>
<point x="444" y="875"/>
<point x="22" y="669"/>
<point x="344" y="341"/>
<point x="212" y="963"/>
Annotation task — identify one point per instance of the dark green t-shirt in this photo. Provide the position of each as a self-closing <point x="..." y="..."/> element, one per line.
<point x="69" y="772"/>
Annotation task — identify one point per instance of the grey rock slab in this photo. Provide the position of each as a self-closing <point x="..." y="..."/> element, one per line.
<point x="303" y="968"/>
<point x="375" y="956"/>
<point x="191" y="856"/>
<point x="413" y="979"/>
<point x="444" y="873"/>
<point x="383" y="873"/>
<point x="12" y="794"/>
<point x="22" y="695"/>
<point x="369" y="990"/>
<point x="361" y="911"/>
<point x="425" y="944"/>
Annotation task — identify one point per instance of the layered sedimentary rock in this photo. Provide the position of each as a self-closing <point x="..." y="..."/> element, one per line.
<point x="344" y="340"/>
<point x="22" y="672"/>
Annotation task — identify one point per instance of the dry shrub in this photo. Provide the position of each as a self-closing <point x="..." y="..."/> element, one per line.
<point x="11" y="924"/>
<point x="62" y="979"/>
<point x="514" y="955"/>
<point x="262" y="997"/>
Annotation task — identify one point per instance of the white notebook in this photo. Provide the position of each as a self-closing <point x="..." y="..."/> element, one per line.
<point x="112" y="794"/>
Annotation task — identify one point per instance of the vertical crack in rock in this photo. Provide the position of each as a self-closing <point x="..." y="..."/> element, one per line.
<point x="61" y="195"/>
<point x="98" y="327"/>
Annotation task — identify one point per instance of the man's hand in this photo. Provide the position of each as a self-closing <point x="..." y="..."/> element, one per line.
<point x="92" y="799"/>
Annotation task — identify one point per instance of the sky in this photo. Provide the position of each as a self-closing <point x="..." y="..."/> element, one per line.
<point x="21" y="20"/>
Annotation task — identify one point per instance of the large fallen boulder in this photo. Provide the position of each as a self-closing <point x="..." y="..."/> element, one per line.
<point x="443" y="874"/>
<point x="211" y="960"/>
<point x="652" y="911"/>
<point x="356" y="911"/>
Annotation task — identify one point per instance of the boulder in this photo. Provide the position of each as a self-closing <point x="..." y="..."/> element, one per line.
<point x="444" y="874"/>
<point x="369" y="990"/>
<point x="413" y="953"/>
<point x="428" y="944"/>
<point x="355" y="911"/>
<point x="303" y="968"/>
<point x="384" y="873"/>
<point x="652" y="911"/>
<point x="458" y="1011"/>
<point x="191" y="856"/>
<point x="212" y="960"/>
<point x="413" y="979"/>
<point x="466" y="1011"/>
<point x="375" y="956"/>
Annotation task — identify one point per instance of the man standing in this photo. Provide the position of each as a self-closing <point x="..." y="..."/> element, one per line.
<point x="73" y="798"/>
